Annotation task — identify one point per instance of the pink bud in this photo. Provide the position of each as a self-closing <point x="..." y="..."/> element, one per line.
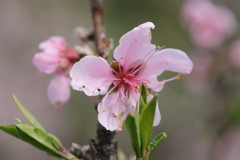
<point x="59" y="90"/>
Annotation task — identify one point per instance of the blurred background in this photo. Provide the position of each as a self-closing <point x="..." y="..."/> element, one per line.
<point x="200" y="112"/>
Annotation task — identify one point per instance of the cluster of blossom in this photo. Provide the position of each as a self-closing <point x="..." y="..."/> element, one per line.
<point x="56" y="57"/>
<point x="136" y="62"/>
<point x="209" y="25"/>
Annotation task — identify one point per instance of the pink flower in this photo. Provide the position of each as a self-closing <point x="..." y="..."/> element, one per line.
<point x="209" y="25"/>
<point x="137" y="61"/>
<point x="59" y="90"/>
<point x="56" y="57"/>
<point x="234" y="54"/>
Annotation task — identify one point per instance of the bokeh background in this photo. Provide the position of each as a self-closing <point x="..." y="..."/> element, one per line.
<point x="192" y="110"/>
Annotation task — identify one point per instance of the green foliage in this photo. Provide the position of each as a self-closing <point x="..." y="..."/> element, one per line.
<point x="143" y="98"/>
<point x="36" y="135"/>
<point x="140" y="126"/>
<point x="146" y="122"/>
<point x="132" y="126"/>
<point x="27" y="114"/>
<point x="156" y="141"/>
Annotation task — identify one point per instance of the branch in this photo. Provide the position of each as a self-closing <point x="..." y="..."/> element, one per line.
<point x="97" y="15"/>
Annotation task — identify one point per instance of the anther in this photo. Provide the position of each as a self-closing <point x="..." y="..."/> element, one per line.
<point x="137" y="86"/>
<point x="158" y="47"/>
<point x="97" y="55"/>
<point x="115" y="84"/>
<point x="167" y="63"/>
<point x="177" y="77"/>
<point x="148" y="81"/>
<point x="104" y="110"/>
<point x="121" y="57"/>
<point x="136" y="39"/>
<point x="107" y="80"/>
<point x="163" y="46"/>
<point x="164" y="84"/>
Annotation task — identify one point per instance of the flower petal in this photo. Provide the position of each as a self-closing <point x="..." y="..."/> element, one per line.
<point x="46" y="62"/>
<point x="92" y="75"/>
<point x="59" y="91"/>
<point x="167" y="60"/>
<point x="57" y="43"/>
<point x="112" y="111"/>
<point x="134" y="46"/>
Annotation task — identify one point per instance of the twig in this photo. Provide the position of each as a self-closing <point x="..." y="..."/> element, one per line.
<point x="97" y="14"/>
<point x="105" y="148"/>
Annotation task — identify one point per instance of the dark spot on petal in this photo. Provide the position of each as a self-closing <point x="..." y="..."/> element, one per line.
<point x="99" y="89"/>
<point x="83" y="86"/>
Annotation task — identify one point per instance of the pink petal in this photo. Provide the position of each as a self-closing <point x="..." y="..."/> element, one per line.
<point x="134" y="45"/>
<point x="59" y="91"/>
<point x="112" y="111"/>
<point x="157" y="117"/>
<point x="46" y="62"/>
<point x="92" y="75"/>
<point x="57" y="43"/>
<point x="167" y="60"/>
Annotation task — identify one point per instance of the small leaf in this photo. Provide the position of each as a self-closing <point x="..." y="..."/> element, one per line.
<point x="19" y="121"/>
<point x="26" y="113"/>
<point x="156" y="141"/>
<point x="144" y="94"/>
<point x="133" y="130"/>
<point x="146" y="123"/>
<point x="10" y="129"/>
<point x="143" y="98"/>
<point x="39" y="139"/>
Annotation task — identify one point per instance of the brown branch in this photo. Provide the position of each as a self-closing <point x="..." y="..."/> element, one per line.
<point x="97" y="15"/>
<point x="105" y="148"/>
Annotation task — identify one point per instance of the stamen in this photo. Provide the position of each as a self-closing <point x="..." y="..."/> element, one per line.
<point x="115" y="100"/>
<point x="106" y="64"/>
<point x="104" y="110"/>
<point x="103" y="100"/>
<point x="128" y="53"/>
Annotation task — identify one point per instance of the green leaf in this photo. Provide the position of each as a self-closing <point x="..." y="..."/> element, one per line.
<point x="39" y="139"/>
<point x="10" y="129"/>
<point x="143" y="98"/>
<point x="156" y="141"/>
<point x="19" y="121"/>
<point x="26" y="113"/>
<point x="132" y="126"/>
<point x="146" y="123"/>
<point x="144" y="94"/>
